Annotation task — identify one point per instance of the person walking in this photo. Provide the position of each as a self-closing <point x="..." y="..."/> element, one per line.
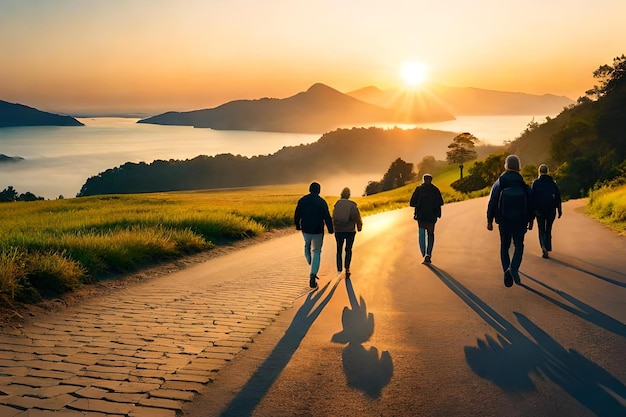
<point x="310" y="216"/>
<point x="547" y="202"/>
<point x="346" y="218"/>
<point x="511" y="207"/>
<point x="427" y="201"/>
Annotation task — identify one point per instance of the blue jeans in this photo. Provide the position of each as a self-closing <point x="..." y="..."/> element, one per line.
<point x="348" y="238"/>
<point x="313" y="250"/>
<point x="511" y="231"/>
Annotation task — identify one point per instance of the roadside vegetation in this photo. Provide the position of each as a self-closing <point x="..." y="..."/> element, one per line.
<point x="607" y="204"/>
<point x="51" y="247"/>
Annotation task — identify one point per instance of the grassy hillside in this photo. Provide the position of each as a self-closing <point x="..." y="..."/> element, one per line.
<point x="51" y="247"/>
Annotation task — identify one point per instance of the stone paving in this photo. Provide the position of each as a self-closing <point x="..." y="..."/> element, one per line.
<point x="148" y="349"/>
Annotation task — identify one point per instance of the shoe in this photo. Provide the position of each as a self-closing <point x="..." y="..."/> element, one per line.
<point x="312" y="281"/>
<point x="516" y="277"/>
<point x="508" y="278"/>
<point x="545" y="254"/>
<point x="426" y="259"/>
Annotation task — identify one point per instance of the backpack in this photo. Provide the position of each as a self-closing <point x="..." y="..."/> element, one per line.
<point x="512" y="203"/>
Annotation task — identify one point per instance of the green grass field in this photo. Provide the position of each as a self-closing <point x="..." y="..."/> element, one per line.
<point x="51" y="247"/>
<point x="608" y="206"/>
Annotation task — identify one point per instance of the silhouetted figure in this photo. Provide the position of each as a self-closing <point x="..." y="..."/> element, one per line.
<point x="346" y="218"/>
<point x="511" y="206"/>
<point x="546" y="201"/>
<point x="310" y="216"/>
<point x="427" y="201"/>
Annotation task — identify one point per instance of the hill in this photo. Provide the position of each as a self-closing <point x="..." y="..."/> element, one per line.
<point x="585" y="144"/>
<point x="15" y="115"/>
<point x="468" y="101"/>
<point x="6" y="158"/>
<point x="319" y="109"/>
<point x="336" y="155"/>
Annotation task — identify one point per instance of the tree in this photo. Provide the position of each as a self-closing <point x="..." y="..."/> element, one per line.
<point x="430" y="165"/>
<point x="490" y="169"/>
<point x="8" y="194"/>
<point x="28" y="196"/>
<point x="373" y="187"/>
<point x="398" y="174"/>
<point x="610" y="77"/>
<point x="462" y="150"/>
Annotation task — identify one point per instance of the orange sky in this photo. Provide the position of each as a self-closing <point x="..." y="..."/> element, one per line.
<point x="157" y="55"/>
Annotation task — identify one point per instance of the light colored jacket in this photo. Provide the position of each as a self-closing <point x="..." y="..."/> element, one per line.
<point x="346" y="216"/>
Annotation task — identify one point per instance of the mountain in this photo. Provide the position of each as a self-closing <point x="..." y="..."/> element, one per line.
<point x="467" y="101"/>
<point x="6" y="158"/>
<point x="14" y="115"/>
<point x="319" y="109"/>
<point x="409" y="105"/>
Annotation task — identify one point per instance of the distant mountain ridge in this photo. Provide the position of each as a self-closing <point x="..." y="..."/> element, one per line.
<point x="469" y="101"/>
<point x="319" y="109"/>
<point x="16" y="115"/>
<point x="322" y="109"/>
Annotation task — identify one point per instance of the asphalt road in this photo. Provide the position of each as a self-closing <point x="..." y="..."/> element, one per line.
<point x="404" y="339"/>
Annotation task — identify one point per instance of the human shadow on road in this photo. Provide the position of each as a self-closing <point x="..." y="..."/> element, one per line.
<point x="580" y="309"/>
<point x="260" y="382"/>
<point x="510" y="360"/>
<point x="572" y="265"/>
<point x="364" y="369"/>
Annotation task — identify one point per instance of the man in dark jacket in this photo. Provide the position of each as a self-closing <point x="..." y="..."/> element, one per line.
<point x="427" y="201"/>
<point x="310" y="216"/>
<point x="547" y="201"/>
<point x="510" y="206"/>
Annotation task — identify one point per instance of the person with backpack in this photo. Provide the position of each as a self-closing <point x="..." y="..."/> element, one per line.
<point x="547" y="201"/>
<point x="427" y="201"/>
<point x="346" y="218"/>
<point x="510" y="205"/>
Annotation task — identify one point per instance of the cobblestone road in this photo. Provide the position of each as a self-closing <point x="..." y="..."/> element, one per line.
<point x="148" y="349"/>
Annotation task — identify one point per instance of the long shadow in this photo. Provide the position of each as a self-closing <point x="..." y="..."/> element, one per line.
<point x="260" y="382"/>
<point x="513" y="357"/>
<point x="593" y="274"/>
<point x="364" y="369"/>
<point x="582" y="310"/>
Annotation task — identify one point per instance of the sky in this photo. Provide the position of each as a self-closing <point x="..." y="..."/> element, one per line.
<point x="149" y="56"/>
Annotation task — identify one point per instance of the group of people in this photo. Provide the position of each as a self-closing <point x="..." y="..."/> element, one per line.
<point x="513" y="205"/>
<point x="312" y="214"/>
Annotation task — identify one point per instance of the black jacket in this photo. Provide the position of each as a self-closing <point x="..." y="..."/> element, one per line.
<point x="508" y="178"/>
<point x="427" y="201"/>
<point x="311" y="214"/>
<point x="546" y="195"/>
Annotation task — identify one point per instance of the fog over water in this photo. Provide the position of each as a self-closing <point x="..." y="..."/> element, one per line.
<point x="58" y="160"/>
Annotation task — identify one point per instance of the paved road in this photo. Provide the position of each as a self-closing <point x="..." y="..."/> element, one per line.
<point x="398" y="338"/>
<point x="403" y="339"/>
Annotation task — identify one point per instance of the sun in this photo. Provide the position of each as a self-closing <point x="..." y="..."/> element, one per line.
<point x="414" y="73"/>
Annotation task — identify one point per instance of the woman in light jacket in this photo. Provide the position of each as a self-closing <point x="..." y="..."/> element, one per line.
<point x="346" y="221"/>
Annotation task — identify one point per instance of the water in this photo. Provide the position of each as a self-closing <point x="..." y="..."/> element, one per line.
<point x="58" y="160"/>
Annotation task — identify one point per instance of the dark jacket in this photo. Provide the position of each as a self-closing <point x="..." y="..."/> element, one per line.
<point x="508" y="179"/>
<point x="427" y="201"/>
<point x="546" y="196"/>
<point x="311" y="214"/>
